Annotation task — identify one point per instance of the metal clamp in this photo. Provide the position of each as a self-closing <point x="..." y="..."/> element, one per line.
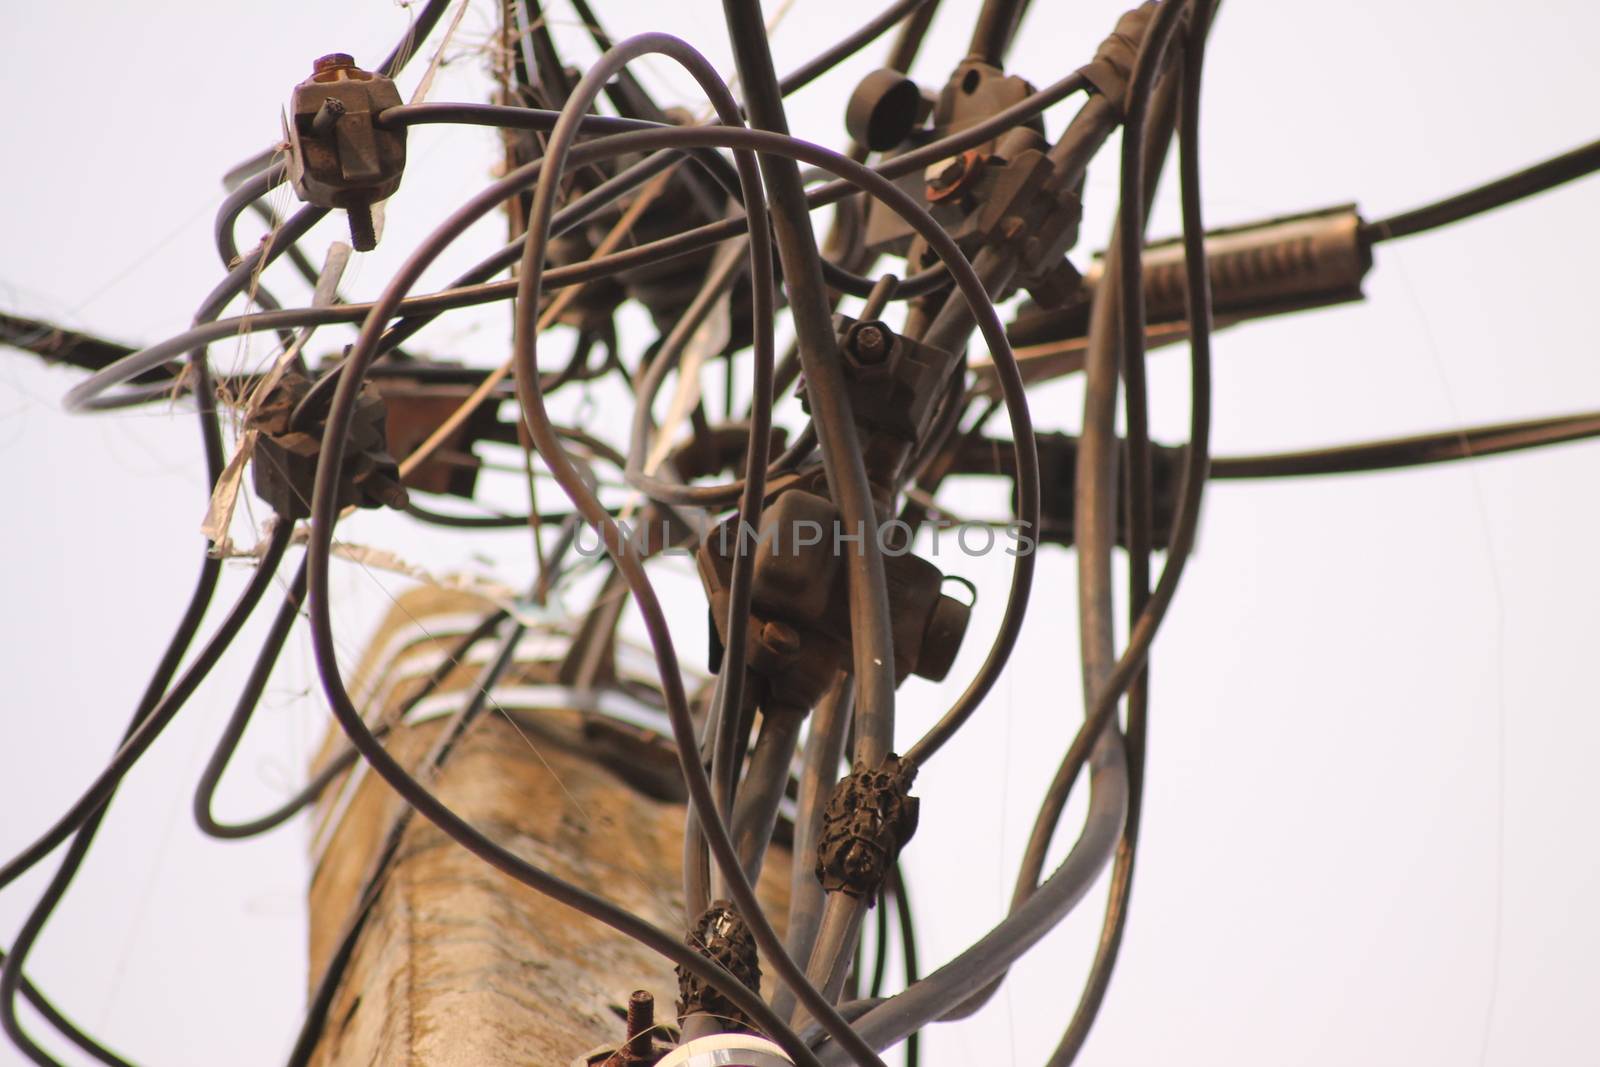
<point x="339" y="157"/>
<point x="868" y="820"/>
<point x="720" y="934"/>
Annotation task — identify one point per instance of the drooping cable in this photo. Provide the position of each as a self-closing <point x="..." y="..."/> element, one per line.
<point x="250" y="696"/>
<point x="1199" y="310"/>
<point x="85" y="829"/>
<point x="148" y="725"/>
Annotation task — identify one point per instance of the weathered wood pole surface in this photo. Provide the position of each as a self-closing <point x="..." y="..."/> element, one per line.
<point x="455" y="963"/>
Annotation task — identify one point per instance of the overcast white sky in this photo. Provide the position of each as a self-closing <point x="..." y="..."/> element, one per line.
<point x="1368" y="833"/>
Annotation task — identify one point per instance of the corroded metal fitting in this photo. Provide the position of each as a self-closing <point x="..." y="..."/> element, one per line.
<point x="284" y="463"/>
<point x="339" y="156"/>
<point x="869" y="819"/>
<point x="721" y="935"/>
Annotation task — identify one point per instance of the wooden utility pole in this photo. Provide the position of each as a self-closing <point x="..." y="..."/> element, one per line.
<point x="453" y="962"/>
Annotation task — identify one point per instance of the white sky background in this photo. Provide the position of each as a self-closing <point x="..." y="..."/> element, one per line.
<point x="1368" y="831"/>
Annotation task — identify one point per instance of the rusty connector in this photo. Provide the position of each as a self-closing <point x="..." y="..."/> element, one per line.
<point x="720" y="934"/>
<point x="895" y="383"/>
<point x="870" y="343"/>
<point x="284" y="464"/>
<point x="339" y="157"/>
<point x="869" y="819"/>
<point x="800" y="602"/>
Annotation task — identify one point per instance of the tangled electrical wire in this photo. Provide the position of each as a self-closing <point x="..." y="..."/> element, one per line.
<point x="641" y="206"/>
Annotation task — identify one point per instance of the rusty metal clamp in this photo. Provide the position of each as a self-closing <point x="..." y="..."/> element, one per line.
<point x="721" y="935"/>
<point x="869" y="819"/>
<point x="339" y="157"/>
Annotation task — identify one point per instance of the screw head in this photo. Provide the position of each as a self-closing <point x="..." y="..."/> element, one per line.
<point x="949" y="177"/>
<point x="945" y="174"/>
<point x="870" y="344"/>
<point x="333" y="61"/>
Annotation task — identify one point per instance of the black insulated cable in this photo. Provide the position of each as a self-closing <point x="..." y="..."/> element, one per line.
<point x="350" y="719"/>
<point x="1536" y="179"/>
<point x="65" y="1026"/>
<point x="158" y="710"/>
<point x="1446" y="446"/>
<point x="89" y="395"/>
<point x="991" y="36"/>
<point x="852" y="43"/>
<point x="837" y="440"/>
<point x="675" y="137"/>
<point x="250" y="696"/>
<point x="85" y="817"/>
<point x="1198" y="296"/>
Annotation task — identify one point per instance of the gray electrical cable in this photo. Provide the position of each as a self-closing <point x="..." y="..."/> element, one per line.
<point x="988" y="957"/>
<point x="819" y="771"/>
<point x="755" y="812"/>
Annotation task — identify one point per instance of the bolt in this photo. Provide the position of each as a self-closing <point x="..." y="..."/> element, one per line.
<point x="943" y="175"/>
<point x="780" y="638"/>
<point x="333" y="61"/>
<point x="870" y="344"/>
<point x="363" y="238"/>
<point x="950" y="177"/>
<point x="641" y="1021"/>
<point x="946" y="179"/>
